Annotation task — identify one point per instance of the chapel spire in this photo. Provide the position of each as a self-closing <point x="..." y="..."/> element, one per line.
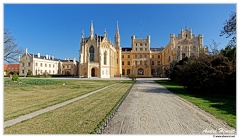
<point x="91" y="30"/>
<point x="117" y="36"/>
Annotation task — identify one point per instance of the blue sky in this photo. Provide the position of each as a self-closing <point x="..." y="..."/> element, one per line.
<point x="55" y="29"/>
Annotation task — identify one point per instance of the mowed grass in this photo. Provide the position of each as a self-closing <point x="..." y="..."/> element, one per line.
<point x="80" y="117"/>
<point x="29" y="95"/>
<point x="221" y="107"/>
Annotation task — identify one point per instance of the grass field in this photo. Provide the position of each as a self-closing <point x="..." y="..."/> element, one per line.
<point x="28" y="95"/>
<point x="221" y="107"/>
<point x="80" y="117"/>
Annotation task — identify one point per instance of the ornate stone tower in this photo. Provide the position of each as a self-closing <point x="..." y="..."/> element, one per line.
<point x="117" y="36"/>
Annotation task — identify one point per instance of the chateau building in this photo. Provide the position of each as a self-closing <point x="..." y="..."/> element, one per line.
<point x="100" y="58"/>
<point x="44" y="65"/>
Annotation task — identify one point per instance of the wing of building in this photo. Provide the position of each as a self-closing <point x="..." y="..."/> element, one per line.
<point x="46" y="65"/>
<point x="101" y="58"/>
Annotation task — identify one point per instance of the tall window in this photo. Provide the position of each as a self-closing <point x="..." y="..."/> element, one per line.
<point x="128" y="62"/>
<point x="128" y="56"/>
<point x="122" y="62"/>
<point x="152" y="62"/>
<point x="123" y="72"/>
<point x="128" y="71"/>
<point x="140" y="62"/>
<point x="105" y="58"/>
<point x="91" y="51"/>
<point x="140" y="56"/>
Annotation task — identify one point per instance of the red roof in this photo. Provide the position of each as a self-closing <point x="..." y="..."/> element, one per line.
<point x="11" y="66"/>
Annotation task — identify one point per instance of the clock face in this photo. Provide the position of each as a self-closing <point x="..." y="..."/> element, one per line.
<point x="140" y="72"/>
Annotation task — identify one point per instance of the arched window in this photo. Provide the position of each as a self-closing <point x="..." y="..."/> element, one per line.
<point x="105" y="58"/>
<point x="140" y="71"/>
<point x="91" y="51"/>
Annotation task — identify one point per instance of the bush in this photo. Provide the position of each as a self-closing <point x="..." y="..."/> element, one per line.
<point x="15" y="77"/>
<point x="132" y="76"/>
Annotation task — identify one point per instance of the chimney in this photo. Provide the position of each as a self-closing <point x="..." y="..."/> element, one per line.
<point x="52" y="57"/>
<point x="65" y="59"/>
<point x="38" y="55"/>
<point x="26" y="50"/>
<point x="74" y="60"/>
<point x="49" y="57"/>
<point x="46" y="56"/>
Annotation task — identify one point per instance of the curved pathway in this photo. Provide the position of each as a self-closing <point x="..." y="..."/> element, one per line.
<point x="152" y="109"/>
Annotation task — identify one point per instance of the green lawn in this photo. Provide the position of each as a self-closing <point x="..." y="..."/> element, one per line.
<point x="28" y="95"/>
<point x="80" y="117"/>
<point x="221" y="107"/>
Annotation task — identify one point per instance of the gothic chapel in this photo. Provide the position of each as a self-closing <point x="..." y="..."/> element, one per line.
<point x="98" y="56"/>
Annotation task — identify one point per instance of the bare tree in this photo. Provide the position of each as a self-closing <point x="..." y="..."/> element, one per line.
<point x="11" y="52"/>
<point x="229" y="29"/>
<point x="214" y="47"/>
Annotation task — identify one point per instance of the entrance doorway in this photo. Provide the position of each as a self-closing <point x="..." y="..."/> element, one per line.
<point x="93" y="72"/>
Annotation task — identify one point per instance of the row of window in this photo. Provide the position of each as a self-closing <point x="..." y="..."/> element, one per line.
<point x="68" y="66"/>
<point x="41" y="64"/>
<point x="141" y="44"/>
<point x="28" y="64"/>
<point x="141" y="63"/>
<point x="140" y="72"/>
<point x="41" y="71"/>
<point x="141" y="56"/>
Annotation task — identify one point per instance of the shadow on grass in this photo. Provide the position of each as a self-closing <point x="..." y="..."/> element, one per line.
<point x="226" y="105"/>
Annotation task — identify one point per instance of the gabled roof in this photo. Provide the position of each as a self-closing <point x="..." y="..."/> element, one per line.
<point x="11" y="66"/>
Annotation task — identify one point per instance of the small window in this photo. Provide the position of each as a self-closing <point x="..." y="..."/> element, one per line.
<point x="145" y="44"/>
<point x="53" y="65"/>
<point x="135" y="56"/>
<point x="183" y="55"/>
<point x="53" y="71"/>
<point x="117" y="60"/>
<point x="36" y="64"/>
<point x="140" y="56"/>
<point x="140" y="62"/>
<point x="122" y="56"/>
<point x="145" y="56"/>
<point x="145" y="49"/>
<point x="45" y="65"/>
<point x="158" y="56"/>
<point x="145" y="62"/>
<point x="29" y="64"/>
<point x="136" y="49"/>
<point x="49" y="65"/>
<point x="128" y="56"/>
<point x="152" y="56"/>
<point x="141" y="44"/>
<point x="40" y="64"/>
<point x="22" y="71"/>
<point x="128" y="62"/>
<point x="49" y="71"/>
<point x="141" y="49"/>
<point x="136" y="44"/>
<point x="22" y="64"/>
<point x="122" y="62"/>
<point x="152" y="62"/>
<point x="158" y="62"/>
<point x="135" y="62"/>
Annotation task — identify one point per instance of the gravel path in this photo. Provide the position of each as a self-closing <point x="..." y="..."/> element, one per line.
<point x="152" y="109"/>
